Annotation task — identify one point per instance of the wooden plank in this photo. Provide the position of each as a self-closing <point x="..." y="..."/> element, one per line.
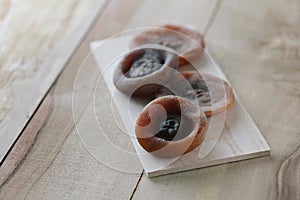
<point x="257" y="65"/>
<point x="240" y="139"/>
<point x="34" y="50"/>
<point x="58" y="165"/>
<point x="25" y="141"/>
<point x="257" y="45"/>
<point x="41" y="173"/>
<point x="288" y="179"/>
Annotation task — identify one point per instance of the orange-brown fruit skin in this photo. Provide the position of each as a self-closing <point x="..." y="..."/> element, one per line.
<point x="163" y="148"/>
<point x="228" y="92"/>
<point x="145" y="85"/>
<point x="186" y="57"/>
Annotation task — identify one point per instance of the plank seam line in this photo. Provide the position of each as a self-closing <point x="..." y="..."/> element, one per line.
<point x="55" y="156"/>
<point x="30" y="148"/>
<point x="136" y="186"/>
<point x="95" y="19"/>
<point x="50" y="164"/>
<point x="212" y="17"/>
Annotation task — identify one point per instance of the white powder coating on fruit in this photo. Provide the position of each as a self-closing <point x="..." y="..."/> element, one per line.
<point x="190" y="110"/>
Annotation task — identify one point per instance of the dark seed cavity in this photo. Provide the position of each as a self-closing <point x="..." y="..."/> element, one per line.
<point x="200" y="91"/>
<point x="169" y="128"/>
<point x="197" y="92"/>
<point x="147" y="64"/>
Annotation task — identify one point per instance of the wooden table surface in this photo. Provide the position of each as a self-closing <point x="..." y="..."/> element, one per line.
<point x="257" y="44"/>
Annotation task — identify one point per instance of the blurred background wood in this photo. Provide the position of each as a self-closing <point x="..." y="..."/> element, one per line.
<point x="37" y="38"/>
<point x="257" y="44"/>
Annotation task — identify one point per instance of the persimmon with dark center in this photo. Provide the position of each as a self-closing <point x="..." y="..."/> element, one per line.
<point x="212" y="94"/>
<point x="143" y="71"/>
<point x="187" y="43"/>
<point x="171" y="126"/>
<point x="147" y="64"/>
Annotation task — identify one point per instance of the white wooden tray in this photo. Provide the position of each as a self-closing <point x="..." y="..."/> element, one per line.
<point x="240" y="138"/>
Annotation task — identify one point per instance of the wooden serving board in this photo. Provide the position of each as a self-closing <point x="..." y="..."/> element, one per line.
<point x="239" y="138"/>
